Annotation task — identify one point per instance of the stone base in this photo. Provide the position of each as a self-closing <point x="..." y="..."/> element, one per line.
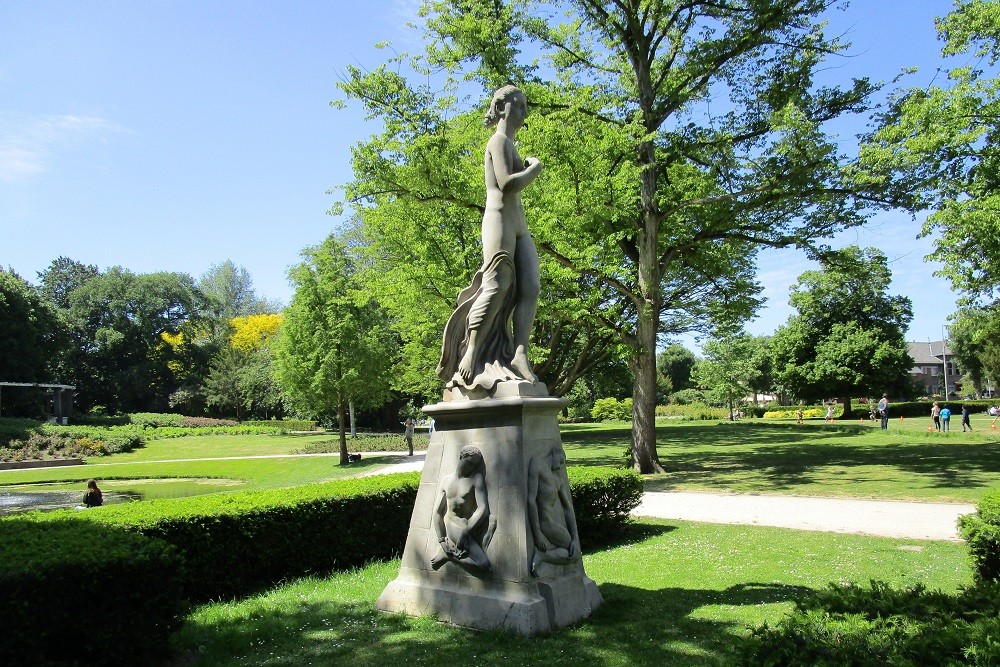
<point x="528" y="609"/>
<point x="510" y="432"/>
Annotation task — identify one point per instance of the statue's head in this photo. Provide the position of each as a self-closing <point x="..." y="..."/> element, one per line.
<point x="508" y="94"/>
<point x="558" y="458"/>
<point x="470" y="460"/>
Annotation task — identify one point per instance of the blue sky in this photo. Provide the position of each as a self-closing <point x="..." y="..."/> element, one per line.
<point x="172" y="135"/>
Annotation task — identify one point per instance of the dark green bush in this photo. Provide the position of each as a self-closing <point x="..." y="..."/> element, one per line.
<point x="879" y="625"/>
<point x="923" y="408"/>
<point x="236" y="543"/>
<point x="287" y="424"/>
<point x="602" y="501"/>
<point x="154" y="419"/>
<point x="77" y="592"/>
<point x="981" y="532"/>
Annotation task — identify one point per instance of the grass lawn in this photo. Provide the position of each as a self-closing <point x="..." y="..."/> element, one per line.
<point x="846" y="459"/>
<point x="676" y="593"/>
<point x="752" y="456"/>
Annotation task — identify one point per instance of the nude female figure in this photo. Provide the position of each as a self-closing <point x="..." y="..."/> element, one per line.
<point x="462" y="512"/>
<point x="550" y="511"/>
<point x="509" y="277"/>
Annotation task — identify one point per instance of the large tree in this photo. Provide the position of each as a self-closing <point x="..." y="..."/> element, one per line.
<point x="33" y="341"/>
<point x="121" y="323"/>
<point x="848" y="338"/>
<point x="678" y="137"/>
<point x="334" y="346"/>
<point x="730" y="368"/>
<point x="942" y="142"/>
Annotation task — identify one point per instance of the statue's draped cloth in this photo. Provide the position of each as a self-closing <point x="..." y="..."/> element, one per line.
<point x="495" y="341"/>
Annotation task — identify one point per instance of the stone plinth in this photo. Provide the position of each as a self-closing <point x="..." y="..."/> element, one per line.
<point x="510" y="433"/>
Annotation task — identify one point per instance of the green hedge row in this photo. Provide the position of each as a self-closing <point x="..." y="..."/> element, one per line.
<point x="981" y="532"/>
<point x="286" y="424"/>
<point x="78" y="592"/>
<point x="104" y="586"/>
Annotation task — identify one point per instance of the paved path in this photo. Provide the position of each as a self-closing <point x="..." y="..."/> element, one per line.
<point x="886" y="518"/>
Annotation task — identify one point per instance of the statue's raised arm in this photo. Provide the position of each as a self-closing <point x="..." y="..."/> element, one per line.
<point x="479" y="347"/>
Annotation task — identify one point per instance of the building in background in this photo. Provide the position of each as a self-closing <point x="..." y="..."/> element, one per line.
<point x="929" y="369"/>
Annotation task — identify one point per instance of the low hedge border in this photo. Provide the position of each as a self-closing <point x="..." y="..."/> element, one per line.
<point x="77" y="592"/>
<point x="108" y="566"/>
<point x="981" y="531"/>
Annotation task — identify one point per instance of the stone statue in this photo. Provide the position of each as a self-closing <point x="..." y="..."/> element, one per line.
<point x="462" y="515"/>
<point x="478" y="349"/>
<point x="550" y="511"/>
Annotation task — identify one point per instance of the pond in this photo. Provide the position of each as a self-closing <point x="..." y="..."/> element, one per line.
<point x="24" y="497"/>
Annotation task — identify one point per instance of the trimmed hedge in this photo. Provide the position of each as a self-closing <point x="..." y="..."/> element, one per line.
<point x="236" y="543"/>
<point x="77" y="592"/>
<point x="981" y="531"/>
<point x="286" y="424"/>
<point x="105" y="585"/>
<point x="603" y="499"/>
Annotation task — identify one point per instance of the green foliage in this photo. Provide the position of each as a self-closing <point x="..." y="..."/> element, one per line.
<point x="848" y="336"/>
<point x="603" y="500"/>
<point x="242" y="541"/>
<point x="981" y="531"/>
<point x="155" y="419"/>
<point x="652" y="204"/>
<point x="731" y="367"/>
<point x="368" y="443"/>
<point x="879" y="625"/>
<point x="611" y="409"/>
<point x="286" y="424"/>
<point x="793" y="413"/>
<point x="33" y="342"/>
<point x="335" y="345"/>
<point x="78" y="592"/>
<point x="688" y="396"/>
<point x="696" y="410"/>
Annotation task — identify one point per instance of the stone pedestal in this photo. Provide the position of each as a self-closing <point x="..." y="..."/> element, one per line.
<point x="509" y="432"/>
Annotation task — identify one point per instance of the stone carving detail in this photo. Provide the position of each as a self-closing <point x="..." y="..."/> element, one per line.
<point x="550" y="511"/>
<point x="462" y="517"/>
<point x="479" y="349"/>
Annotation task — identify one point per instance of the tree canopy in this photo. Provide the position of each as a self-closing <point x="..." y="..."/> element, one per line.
<point x="848" y="338"/>
<point x="678" y="138"/>
<point x="334" y="345"/>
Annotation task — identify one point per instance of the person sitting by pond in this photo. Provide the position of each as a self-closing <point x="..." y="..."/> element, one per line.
<point x="93" y="496"/>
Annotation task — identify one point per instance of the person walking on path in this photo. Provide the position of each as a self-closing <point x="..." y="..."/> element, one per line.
<point x="409" y="434"/>
<point x="936" y="416"/>
<point x="883" y="411"/>
<point x="965" y="418"/>
<point x="945" y="419"/>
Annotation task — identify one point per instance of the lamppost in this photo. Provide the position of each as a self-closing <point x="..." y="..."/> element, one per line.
<point x="944" y="357"/>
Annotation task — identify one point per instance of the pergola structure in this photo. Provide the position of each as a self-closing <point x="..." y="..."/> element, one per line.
<point x="62" y="397"/>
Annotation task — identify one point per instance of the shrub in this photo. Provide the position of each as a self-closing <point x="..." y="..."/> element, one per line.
<point x="792" y="413"/>
<point x="77" y="592"/>
<point x="981" y="531"/>
<point x="286" y="424"/>
<point x="155" y="419"/>
<point x="236" y="543"/>
<point x="691" y="411"/>
<point x="851" y="625"/>
<point x="687" y="396"/>
<point x="603" y="499"/>
<point x="611" y="409"/>
<point x="367" y="443"/>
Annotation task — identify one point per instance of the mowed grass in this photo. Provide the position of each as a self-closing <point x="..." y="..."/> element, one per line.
<point x="675" y="593"/>
<point x="189" y="457"/>
<point x="751" y="456"/>
<point x="845" y="459"/>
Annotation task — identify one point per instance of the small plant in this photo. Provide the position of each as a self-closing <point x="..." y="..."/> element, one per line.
<point x="611" y="409"/>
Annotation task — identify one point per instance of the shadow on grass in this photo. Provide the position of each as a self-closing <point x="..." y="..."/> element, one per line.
<point x="788" y="457"/>
<point x="633" y="627"/>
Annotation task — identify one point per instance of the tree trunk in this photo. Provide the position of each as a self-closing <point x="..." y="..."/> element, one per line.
<point x="644" y="457"/>
<point x="847" y="407"/>
<point x="341" y="419"/>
